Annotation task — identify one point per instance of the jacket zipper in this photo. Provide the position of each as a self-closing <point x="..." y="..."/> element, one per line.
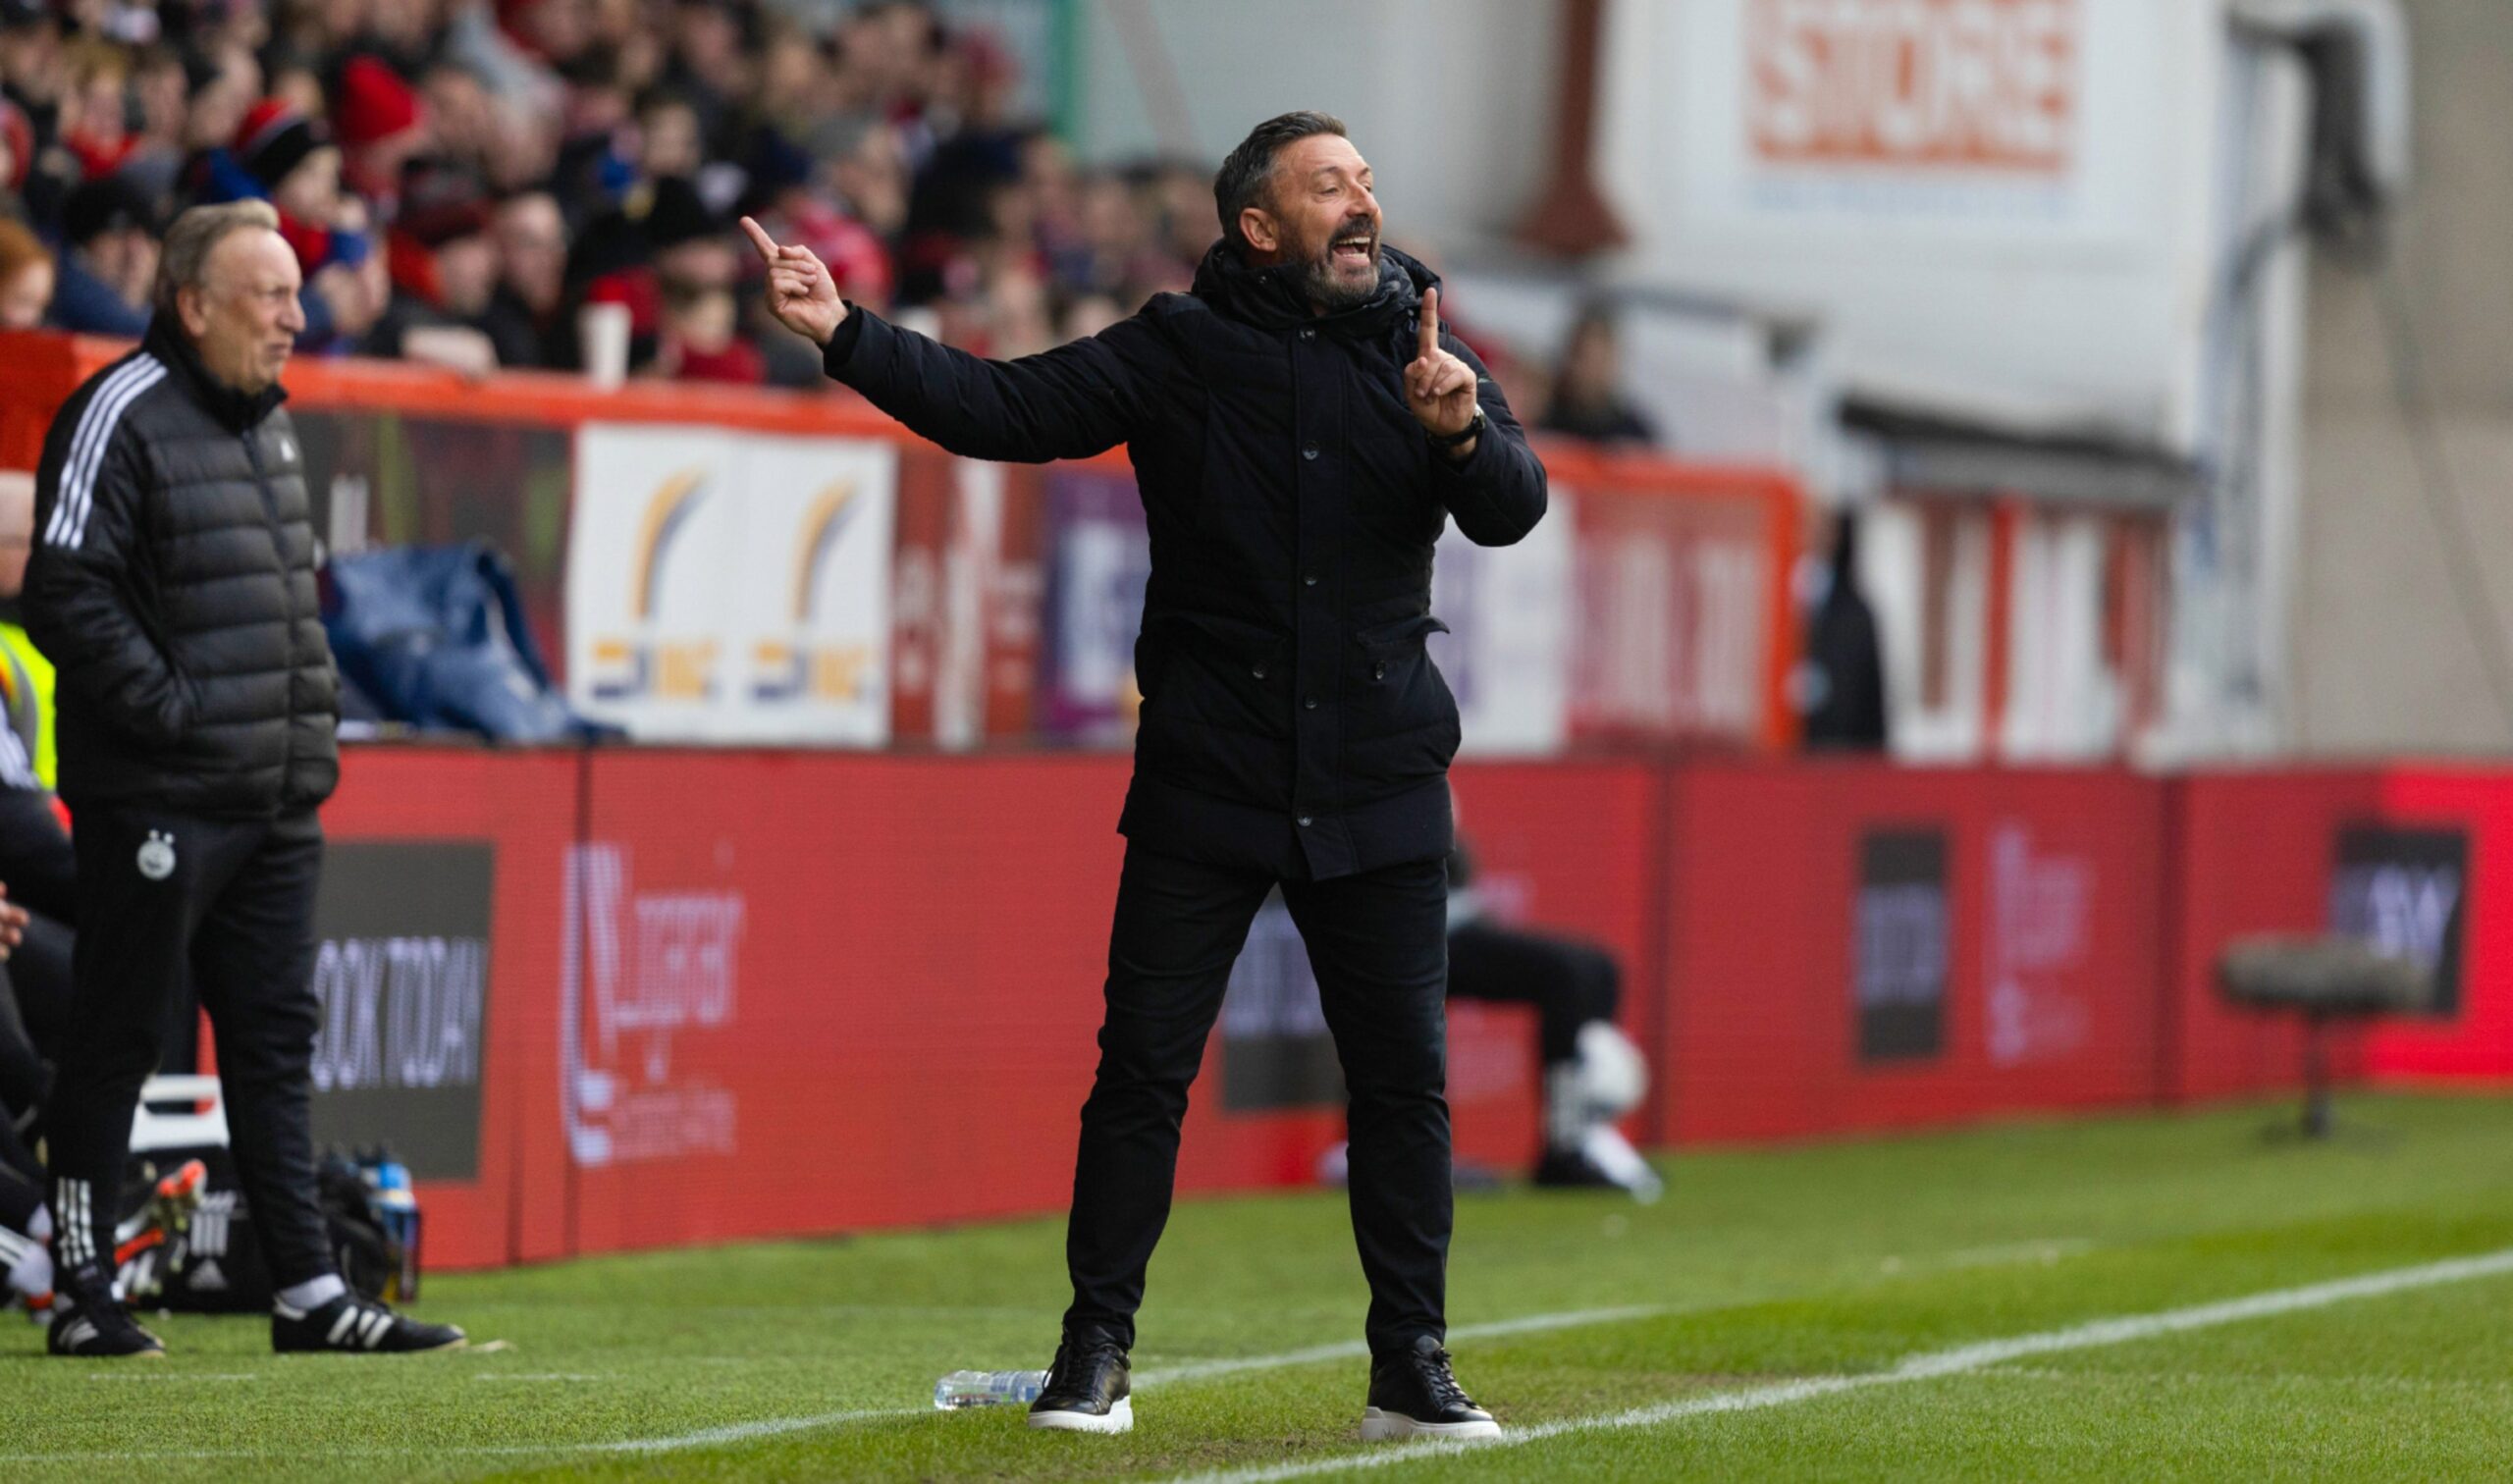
<point x="279" y="559"/>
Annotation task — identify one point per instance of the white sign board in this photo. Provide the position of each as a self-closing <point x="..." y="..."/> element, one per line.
<point x="731" y="587"/>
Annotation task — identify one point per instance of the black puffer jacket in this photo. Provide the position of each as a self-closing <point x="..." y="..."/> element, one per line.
<point x="1291" y="718"/>
<point x="173" y="583"/>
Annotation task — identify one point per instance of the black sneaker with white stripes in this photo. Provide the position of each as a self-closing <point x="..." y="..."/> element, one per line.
<point x="1414" y="1395"/>
<point x="1089" y="1387"/>
<point x="357" y="1326"/>
<point x="89" y="1321"/>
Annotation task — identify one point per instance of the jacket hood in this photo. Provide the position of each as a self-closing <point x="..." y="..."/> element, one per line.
<point x="237" y="411"/>
<point x="1273" y="297"/>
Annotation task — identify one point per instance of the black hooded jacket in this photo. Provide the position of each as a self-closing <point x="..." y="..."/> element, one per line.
<point x="1291" y="719"/>
<point x="173" y="584"/>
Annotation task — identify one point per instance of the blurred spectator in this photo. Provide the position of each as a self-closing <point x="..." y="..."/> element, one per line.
<point x="283" y="155"/>
<point x="525" y="317"/>
<point x="443" y="269"/>
<point x="109" y="232"/>
<point x="25" y="278"/>
<point x="17" y="158"/>
<point x="1840" y="685"/>
<point x="1588" y="399"/>
<point x="382" y="127"/>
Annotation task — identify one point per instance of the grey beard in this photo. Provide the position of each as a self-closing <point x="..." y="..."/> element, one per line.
<point x="1327" y="294"/>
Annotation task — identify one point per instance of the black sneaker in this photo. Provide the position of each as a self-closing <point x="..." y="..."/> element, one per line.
<point x="1414" y="1395"/>
<point x="88" y="1320"/>
<point x="357" y="1326"/>
<point x="1089" y="1387"/>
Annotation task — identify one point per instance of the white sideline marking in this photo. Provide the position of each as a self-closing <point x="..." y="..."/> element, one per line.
<point x="744" y="1432"/>
<point x="1349" y="1350"/>
<point x="1927" y="1366"/>
<point x="540" y="1376"/>
<point x="175" y="1376"/>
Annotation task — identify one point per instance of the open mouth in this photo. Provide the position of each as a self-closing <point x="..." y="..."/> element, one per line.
<point x="1354" y="247"/>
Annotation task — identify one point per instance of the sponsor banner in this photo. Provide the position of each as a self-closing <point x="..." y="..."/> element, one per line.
<point x="437" y="970"/>
<point x="1670" y="618"/>
<point x="1901" y="945"/>
<point x="401" y="976"/>
<point x="1507" y="654"/>
<point x="2036" y="950"/>
<point x="1099" y="564"/>
<point x="966" y="592"/>
<point x="2052" y="916"/>
<point x="2401" y="890"/>
<point x="731" y="587"/>
<point x="2418" y="874"/>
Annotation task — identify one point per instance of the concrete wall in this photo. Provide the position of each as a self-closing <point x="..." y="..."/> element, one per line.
<point x="2387" y="659"/>
<point x="1450" y="101"/>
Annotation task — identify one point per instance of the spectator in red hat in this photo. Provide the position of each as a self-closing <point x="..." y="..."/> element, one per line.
<point x="381" y="127"/>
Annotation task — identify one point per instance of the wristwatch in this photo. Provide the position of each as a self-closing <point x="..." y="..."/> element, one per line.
<point x="1473" y="430"/>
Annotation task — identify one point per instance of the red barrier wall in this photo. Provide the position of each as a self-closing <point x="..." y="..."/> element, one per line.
<point x="523" y="804"/>
<point x="2475" y="1042"/>
<point x="2046" y="937"/>
<point x="2250" y="853"/>
<point x="736" y="994"/>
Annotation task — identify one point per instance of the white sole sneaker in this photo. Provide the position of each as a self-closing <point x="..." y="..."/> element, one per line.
<point x="1379" y="1426"/>
<point x="1119" y="1418"/>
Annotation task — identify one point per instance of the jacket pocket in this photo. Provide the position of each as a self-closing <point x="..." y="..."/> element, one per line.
<point x="1216" y="671"/>
<point x="1388" y="647"/>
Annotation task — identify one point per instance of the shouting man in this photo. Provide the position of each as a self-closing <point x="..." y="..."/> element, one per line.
<point x="1301" y="429"/>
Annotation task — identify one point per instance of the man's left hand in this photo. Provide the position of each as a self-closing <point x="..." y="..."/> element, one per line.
<point x="1439" y="387"/>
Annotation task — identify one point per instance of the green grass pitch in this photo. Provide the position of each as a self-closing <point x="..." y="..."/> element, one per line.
<point x="1921" y="1308"/>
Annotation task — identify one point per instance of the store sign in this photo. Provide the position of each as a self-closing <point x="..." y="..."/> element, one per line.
<point x="1897" y="84"/>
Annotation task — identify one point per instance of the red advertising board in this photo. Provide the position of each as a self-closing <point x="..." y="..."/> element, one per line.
<point x="2431" y="884"/>
<point x="522" y="807"/>
<point x="1852" y="945"/>
<point x="2251" y="854"/>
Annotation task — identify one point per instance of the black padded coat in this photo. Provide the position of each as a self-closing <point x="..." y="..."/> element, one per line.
<point x="1291" y="719"/>
<point x="173" y="584"/>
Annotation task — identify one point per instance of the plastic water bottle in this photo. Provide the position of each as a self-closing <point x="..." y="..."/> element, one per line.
<point x="969" y="1388"/>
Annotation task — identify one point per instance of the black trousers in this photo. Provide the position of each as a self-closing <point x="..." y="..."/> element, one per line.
<point x="1378" y="944"/>
<point x="1570" y="983"/>
<point x="234" y="902"/>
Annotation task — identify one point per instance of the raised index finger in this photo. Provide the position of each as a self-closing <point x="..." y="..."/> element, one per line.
<point x="1430" y="321"/>
<point x="759" y="240"/>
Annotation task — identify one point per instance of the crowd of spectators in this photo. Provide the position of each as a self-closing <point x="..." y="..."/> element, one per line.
<point x="460" y="177"/>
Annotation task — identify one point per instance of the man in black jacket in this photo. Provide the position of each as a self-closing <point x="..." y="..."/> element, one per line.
<point x="1301" y="431"/>
<point x="171" y="583"/>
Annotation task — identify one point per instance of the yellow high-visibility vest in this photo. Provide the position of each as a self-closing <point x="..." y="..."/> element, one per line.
<point x="25" y="686"/>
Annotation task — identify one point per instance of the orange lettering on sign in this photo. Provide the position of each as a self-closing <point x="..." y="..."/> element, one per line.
<point x="1980" y="84"/>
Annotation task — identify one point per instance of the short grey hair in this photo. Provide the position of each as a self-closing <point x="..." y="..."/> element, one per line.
<point x="193" y="237"/>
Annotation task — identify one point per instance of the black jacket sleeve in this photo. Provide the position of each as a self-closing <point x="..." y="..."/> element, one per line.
<point x="1075" y="401"/>
<point x="82" y="604"/>
<point x="1497" y="493"/>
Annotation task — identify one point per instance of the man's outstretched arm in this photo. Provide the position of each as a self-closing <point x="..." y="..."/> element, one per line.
<point x="1069" y="402"/>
